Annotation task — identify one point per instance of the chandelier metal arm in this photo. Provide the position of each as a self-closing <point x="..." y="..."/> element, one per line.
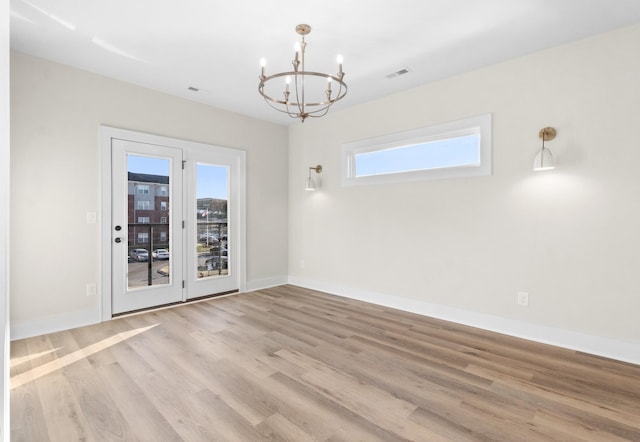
<point x="342" y="90"/>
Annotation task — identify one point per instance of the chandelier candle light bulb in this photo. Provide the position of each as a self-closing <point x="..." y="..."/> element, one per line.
<point x="303" y="104"/>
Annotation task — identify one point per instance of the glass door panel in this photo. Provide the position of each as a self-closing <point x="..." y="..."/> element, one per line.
<point x="212" y="229"/>
<point x="149" y="258"/>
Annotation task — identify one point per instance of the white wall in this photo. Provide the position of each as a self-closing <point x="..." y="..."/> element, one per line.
<point x="56" y="112"/>
<point x="459" y="249"/>
<point x="4" y="217"/>
<point x="463" y="248"/>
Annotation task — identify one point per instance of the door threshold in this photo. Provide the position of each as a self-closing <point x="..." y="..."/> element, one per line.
<point x="174" y="304"/>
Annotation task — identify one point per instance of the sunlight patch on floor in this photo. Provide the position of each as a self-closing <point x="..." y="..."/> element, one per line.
<point x="22" y="359"/>
<point x="50" y="367"/>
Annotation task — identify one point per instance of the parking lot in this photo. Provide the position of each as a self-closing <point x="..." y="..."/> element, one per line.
<point x="139" y="271"/>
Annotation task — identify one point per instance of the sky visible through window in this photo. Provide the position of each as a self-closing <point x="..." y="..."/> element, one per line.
<point x="450" y="152"/>
<point x="211" y="181"/>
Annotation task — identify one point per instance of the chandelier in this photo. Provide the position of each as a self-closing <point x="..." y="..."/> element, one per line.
<point x="305" y="93"/>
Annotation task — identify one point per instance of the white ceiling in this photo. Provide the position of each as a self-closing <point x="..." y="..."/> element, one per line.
<point x="216" y="45"/>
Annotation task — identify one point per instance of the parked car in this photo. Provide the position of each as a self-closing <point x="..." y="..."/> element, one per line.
<point x="218" y="250"/>
<point x="160" y="254"/>
<point x="139" y="254"/>
<point x="217" y="263"/>
<point x="208" y="237"/>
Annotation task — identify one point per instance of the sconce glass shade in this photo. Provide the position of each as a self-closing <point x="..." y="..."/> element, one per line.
<point x="311" y="185"/>
<point x="543" y="160"/>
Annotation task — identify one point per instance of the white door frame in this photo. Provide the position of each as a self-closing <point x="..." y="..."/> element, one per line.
<point x="239" y="211"/>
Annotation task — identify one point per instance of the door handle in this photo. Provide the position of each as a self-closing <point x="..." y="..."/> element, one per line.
<point x="118" y="240"/>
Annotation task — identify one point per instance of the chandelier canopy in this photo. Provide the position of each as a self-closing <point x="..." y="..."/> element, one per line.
<point x="304" y="93"/>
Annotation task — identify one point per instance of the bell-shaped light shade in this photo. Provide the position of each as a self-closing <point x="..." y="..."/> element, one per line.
<point x="543" y="160"/>
<point x="311" y="185"/>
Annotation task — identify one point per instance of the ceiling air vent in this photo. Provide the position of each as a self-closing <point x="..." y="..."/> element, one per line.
<point x="398" y="73"/>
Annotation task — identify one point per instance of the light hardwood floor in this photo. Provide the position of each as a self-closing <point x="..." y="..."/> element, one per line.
<point x="293" y="364"/>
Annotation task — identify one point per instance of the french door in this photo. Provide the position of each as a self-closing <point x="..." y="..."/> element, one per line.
<point x="174" y="219"/>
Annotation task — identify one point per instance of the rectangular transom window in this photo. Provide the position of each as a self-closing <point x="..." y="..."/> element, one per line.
<point x="448" y="150"/>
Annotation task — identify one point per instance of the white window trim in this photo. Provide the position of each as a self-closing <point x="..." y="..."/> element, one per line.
<point x="417" y="136"/>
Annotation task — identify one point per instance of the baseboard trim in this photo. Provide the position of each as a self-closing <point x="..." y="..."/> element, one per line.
<point x="595" y="345"/>
<point x="53" y="324"/>
<point x="67" y="321"/>
<point x="266" y="283"/>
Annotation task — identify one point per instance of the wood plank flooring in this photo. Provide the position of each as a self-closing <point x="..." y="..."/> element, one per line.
<point x="291" y="364"/>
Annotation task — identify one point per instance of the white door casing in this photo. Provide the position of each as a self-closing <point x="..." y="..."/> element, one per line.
<point x="192" y="154"/>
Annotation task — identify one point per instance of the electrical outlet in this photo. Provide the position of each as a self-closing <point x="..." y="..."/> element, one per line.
<point x="302" y="263"/>
<point x="92" y="217"/>
<point x="92" y="289"/>
<point x="523" y="299"/>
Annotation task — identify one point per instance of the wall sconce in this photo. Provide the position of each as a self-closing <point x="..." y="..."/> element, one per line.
<point x="311" y="185"/>
<point x="544" y="159"/>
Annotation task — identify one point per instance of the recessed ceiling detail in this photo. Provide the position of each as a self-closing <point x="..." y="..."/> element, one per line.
<point x="398" y="73"/>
